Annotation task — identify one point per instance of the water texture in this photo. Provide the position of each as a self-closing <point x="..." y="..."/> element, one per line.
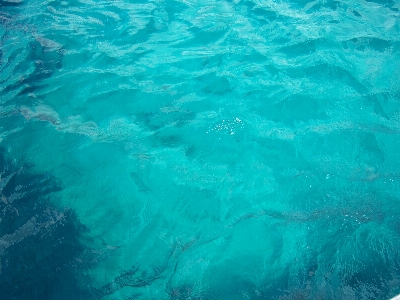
<point x="199" y="149"/>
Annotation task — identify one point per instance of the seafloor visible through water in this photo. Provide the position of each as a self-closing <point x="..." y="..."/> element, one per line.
<point x="199" y="149"/>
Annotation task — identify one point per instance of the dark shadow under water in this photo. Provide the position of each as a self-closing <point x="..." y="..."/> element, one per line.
<point x="38" y="242"/>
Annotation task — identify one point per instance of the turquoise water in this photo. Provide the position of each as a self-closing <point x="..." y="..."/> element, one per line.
<point x="199" y="149"/>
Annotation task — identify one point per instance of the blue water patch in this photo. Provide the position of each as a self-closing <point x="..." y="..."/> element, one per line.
<point x="207" y="149"/>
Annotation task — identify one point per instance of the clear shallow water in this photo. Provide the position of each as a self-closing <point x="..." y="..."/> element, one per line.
<point x="200" y="150"/>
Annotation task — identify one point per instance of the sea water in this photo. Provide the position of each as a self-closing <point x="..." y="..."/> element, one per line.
<point x="173" y="149"/>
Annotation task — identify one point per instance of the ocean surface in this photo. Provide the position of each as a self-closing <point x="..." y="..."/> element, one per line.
<point x="203" y="149"/>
